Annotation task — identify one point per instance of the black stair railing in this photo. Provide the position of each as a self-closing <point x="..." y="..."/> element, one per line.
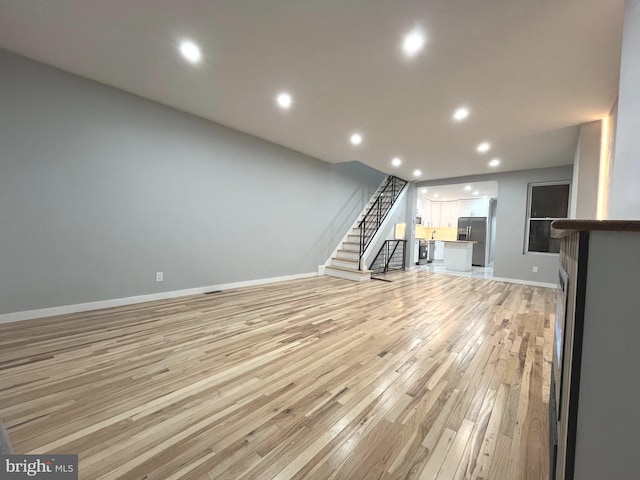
<point x="376" y="214"/>
<point x="391" y="257"/>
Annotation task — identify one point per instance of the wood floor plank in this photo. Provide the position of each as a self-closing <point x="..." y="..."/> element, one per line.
<point x="456" y="452"/>
<point x="428" y="376"/>
<point x="436" y="459"/>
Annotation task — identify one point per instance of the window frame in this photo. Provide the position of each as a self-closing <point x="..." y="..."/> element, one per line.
<point x="529" y="219"/>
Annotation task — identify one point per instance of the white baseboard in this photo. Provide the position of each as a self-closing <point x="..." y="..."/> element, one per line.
<point x="118" y="302"/>
<point x="525" y="282"/>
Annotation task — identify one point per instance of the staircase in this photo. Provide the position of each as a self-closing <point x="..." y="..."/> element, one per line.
<point x="347" y="262"/>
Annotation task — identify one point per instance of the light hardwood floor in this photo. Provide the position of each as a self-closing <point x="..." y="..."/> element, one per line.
<point x="426" y="377"/>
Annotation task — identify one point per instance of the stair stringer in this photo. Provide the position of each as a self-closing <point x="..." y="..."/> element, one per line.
<point x="385" y="229"/>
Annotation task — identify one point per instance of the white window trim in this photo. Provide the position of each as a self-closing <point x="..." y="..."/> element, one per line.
<point x="528" y="218"/>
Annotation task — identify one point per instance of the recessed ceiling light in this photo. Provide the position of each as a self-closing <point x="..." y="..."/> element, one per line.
<point x="396" y="162"/>
<point x="436" y="195"/>
<point x="461" y="114"/>
<point x="494" y="163"/>
<point x="423" y="190"/>
<point x="483" y="147"/>
<point x="476" y="193"/>
<point x="467" y="188"/>
<point x="190" y="51"/>
<point x="417" y="173"/>
<point x="356" y="139"/>
<point x="284" y="100"/>
<point x="413" y="42"/>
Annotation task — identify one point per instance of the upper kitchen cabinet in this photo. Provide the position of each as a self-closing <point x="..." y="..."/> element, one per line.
<point x="449" y="213"/>
<point x="438" y="214"/>
<point x="477" y="207"/>
<point x="433" y="220"/>
<point x="440" y="206"/>
<point x="445" y="214"/>
<point x="424" y="210"/>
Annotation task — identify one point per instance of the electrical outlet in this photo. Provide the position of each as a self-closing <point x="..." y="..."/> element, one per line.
<point x="159" y="276"/>
<point x="535" y="269"/>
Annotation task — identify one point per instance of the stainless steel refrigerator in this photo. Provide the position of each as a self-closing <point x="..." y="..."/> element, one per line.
<point x="474" y="229"/>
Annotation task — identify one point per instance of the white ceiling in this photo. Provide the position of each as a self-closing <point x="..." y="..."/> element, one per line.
<point x="441" y="193"/>
<point x="529" y="70"/>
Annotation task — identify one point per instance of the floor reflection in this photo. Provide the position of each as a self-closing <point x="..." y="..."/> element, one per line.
<point x="476" y="272"/>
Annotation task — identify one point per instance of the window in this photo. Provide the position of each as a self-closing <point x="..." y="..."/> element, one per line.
<point x="547" y="202"/>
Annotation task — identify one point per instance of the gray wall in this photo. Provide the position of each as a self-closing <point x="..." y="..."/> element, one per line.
<point x="100" y="189"/>
<point x="586" y="168"/>
<point x="624" y="194"/>
<point x="510" y="261"/>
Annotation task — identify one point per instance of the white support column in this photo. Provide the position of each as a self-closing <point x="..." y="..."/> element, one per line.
<point x="623" y="194"/>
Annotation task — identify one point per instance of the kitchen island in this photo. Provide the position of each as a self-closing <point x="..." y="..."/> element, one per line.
<point x="458" y="255"/>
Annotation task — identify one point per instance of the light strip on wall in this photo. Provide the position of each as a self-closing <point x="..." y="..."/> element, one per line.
<point x="604" y="168"/>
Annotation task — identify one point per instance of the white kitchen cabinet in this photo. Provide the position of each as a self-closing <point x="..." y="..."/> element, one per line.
<point x="420" y="208"/>
<point x="454" y="213"/>
<point x="466" y="208"/>
<point x="458" y="256"/>
<point x="434" y="220"/>
<point x="424" y="211"/>
<point x="438" y="251"/>
<point x="449" y="214"/>
<point x="476" y="207"/>
<point x="445" y="214"/>
<point x="426" y="217"/>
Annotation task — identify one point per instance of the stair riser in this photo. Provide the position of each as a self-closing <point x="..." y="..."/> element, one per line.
<point x="348" y="255"/>
<point x="355" y="277"/>
<point x="344" y="263"/>
<point x="353" y="247"/>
